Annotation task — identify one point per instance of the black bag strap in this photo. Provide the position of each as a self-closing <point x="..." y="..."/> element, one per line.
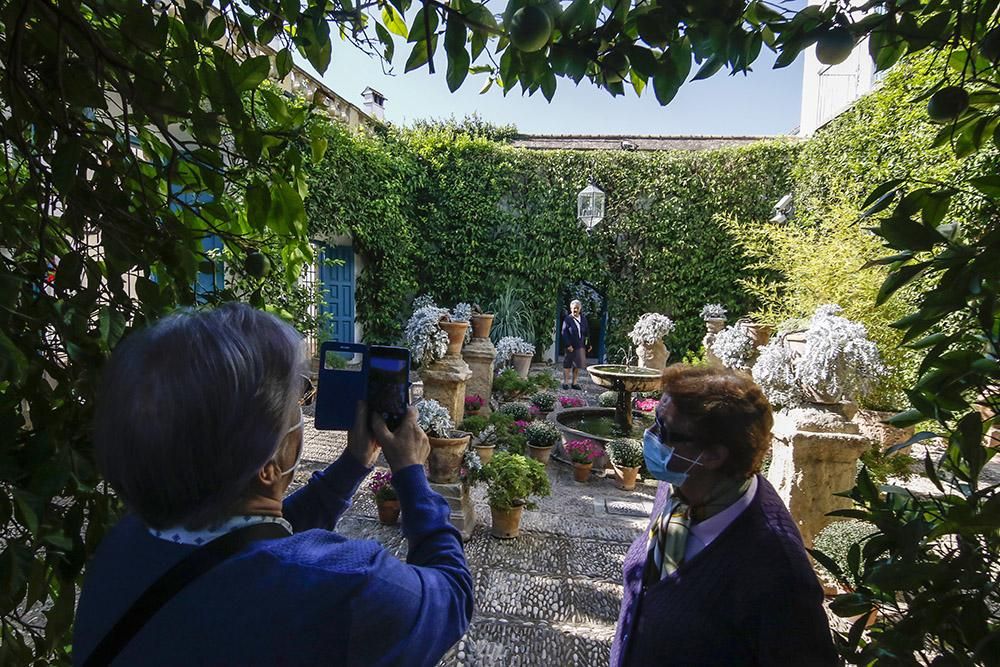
<point x="195" y="564"/>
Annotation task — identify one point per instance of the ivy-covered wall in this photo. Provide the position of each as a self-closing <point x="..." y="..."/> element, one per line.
<point x="458" y="217"/>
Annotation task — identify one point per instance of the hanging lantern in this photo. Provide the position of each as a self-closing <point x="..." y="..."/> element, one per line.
<point x="590" y="206"/>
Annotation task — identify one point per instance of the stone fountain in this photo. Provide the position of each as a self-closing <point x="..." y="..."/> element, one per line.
<point x="625" y="380"/>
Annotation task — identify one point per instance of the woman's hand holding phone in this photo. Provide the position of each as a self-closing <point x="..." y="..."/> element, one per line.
<point x="406" y="446"/>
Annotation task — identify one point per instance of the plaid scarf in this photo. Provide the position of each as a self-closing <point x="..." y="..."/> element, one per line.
<point x="669" y="531"/>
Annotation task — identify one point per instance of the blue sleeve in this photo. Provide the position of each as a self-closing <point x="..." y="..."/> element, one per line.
<point x="321" y="502"/>
<point x="412" y="613"/>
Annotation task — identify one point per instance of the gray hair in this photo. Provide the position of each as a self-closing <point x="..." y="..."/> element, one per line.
<point x="577" y="302"/>
<point x="193" y="407"/>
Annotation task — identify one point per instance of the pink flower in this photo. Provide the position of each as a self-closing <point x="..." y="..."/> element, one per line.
<point x="646" y="404"/>
<point x="534" y="411"/>
<point x="583" y="451"/>
<point x="520" y="425"/>
<point x="473" y="402"/>
<point x="571" y="402"/>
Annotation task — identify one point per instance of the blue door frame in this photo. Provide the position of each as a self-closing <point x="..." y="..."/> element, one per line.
<point x="337" y="280"/>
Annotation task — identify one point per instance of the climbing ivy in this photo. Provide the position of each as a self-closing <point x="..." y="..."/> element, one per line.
<point x="460" y="215"/>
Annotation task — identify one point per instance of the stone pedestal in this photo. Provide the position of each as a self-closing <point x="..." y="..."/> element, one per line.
<point x="480" y="354"/>
<point x="653" y="356"/>
<point x="444" y="381"/>
<point x="814" y="454"/>
<point x="463" y="513"/>
<point x="712" y="327"/>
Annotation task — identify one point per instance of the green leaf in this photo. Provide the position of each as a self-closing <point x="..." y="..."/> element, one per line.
<point x="850" y="604"/>
<point x="419" y="55"/>
<point x="906" y="418"/>
<point x="387" y="42"/>
<point x="710" y="67"/>
<point x="899" y="278"/>
<point x="258" y="200"/>
<point x="882" y="190"/>
<point x="13" y="362"/>
<point x="319" y="145"/>
<point x="424" y="23"/>
<point x="283" y="63"/>
<point x="252" y="72"/>
<point x="988" y="185"/>
<point x="458" y="59"/>
<point x="394" y="22"/>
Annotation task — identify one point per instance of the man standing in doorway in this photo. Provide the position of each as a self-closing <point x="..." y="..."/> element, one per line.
<point x="575" y="340"/>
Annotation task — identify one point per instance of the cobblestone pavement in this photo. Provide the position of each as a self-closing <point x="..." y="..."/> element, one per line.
<point x="549" y="597"/>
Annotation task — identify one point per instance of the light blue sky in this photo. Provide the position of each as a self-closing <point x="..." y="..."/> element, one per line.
<point x="766" y="101"/>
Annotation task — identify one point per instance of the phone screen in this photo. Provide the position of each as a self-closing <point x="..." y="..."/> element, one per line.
<point x="388" y="384"/>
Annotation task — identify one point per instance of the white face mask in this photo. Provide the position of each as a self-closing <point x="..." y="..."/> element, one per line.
<point x="302" y="446"/>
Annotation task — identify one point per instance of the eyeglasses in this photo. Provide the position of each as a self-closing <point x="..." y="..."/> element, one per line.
<point x="308" y="391"/>
<point x="667" y="436"/>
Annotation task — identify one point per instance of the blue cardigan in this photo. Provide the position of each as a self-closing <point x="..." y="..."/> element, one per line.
<point x="569" y="335"/>
<point x="750" y="598"/>
<point x="313" y="598"/>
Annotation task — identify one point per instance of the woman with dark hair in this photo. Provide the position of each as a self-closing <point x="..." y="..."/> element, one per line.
<point x="575" y="336"/>
<point x="721" y="577"/>
<point x="199" y="429"/>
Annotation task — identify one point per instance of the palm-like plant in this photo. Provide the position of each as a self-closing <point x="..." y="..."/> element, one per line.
<point x="511" y="316"/>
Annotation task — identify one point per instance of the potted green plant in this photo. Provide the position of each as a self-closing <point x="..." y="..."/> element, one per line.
<point x="509" y="386"/>
<point x="511" y="481"/>
<point x="626" y="458"/>
<point x="473" y="404"/>
<point x="541" y="437"/>
<point x="448" y="445"/>
<point x="545" y="401"/>
<point x="386" y="500"/>
<point x="518" y="410"/>
<point x="583" y="453"/>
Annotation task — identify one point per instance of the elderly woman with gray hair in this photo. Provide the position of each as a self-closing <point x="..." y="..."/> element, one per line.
<point x="199" y="429"/>
<point x="574" y="336"/>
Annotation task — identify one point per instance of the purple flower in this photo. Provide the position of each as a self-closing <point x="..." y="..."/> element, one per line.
<point x="521" y="425"/>
<point x="583" y="451"/>
<point x="571" y="401"/>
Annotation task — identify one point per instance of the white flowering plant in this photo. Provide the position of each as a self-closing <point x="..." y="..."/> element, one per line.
<point x="650" y="328"/>
<point x="713" y="311"/>
<point x="462" y="312"/>
<point x="434" y="419"/>
<point x="508" y="346"/>
<point x="839" y="363"/>
<point x="427" y="341"/>
<point x="734" y="346"/>
<point x="423" y="300"/>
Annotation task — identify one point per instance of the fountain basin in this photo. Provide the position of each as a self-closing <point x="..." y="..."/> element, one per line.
<point x="625" y="378"/>
<point x="597" y="424"/>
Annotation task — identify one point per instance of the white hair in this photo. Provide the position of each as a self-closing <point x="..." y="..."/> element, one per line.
<point x="576" y="302"/>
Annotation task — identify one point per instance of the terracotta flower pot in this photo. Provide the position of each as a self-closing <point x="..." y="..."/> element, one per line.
<point x="388" y="512"/>
<point x="761" y="333"/>
<point x="445" y="459"/>
<point x="715" y="324"/>
<point x="481" y="325"/>
<point x="627" y="477"/>
<point x="456" y="336"/>
<point x="506" y="523"/>
<point x="581" y="471"/>
<point x="485" y="452"/>
<point x="522" y="364"/>
<point x="540" y="454"/>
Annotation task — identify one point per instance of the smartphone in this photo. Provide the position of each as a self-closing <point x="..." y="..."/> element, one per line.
<point x="342" y="382"/>
<point x="389" y="383"/>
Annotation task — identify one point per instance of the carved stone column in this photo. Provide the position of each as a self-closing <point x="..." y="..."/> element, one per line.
<point x="444" y="381"/>
<point x="814" y="454"/>
<point x="480" y="355"/>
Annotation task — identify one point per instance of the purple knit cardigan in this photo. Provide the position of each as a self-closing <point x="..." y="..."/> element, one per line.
<point x="750" y="598"/>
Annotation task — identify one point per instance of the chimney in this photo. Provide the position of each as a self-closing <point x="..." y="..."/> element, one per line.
<point x="374" y="103"/>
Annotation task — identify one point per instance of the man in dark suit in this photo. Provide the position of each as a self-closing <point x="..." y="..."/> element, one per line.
<point x="575" y="337"/>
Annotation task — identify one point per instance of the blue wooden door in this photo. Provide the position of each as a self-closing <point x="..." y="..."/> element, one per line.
<point x="337" y="280"/>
